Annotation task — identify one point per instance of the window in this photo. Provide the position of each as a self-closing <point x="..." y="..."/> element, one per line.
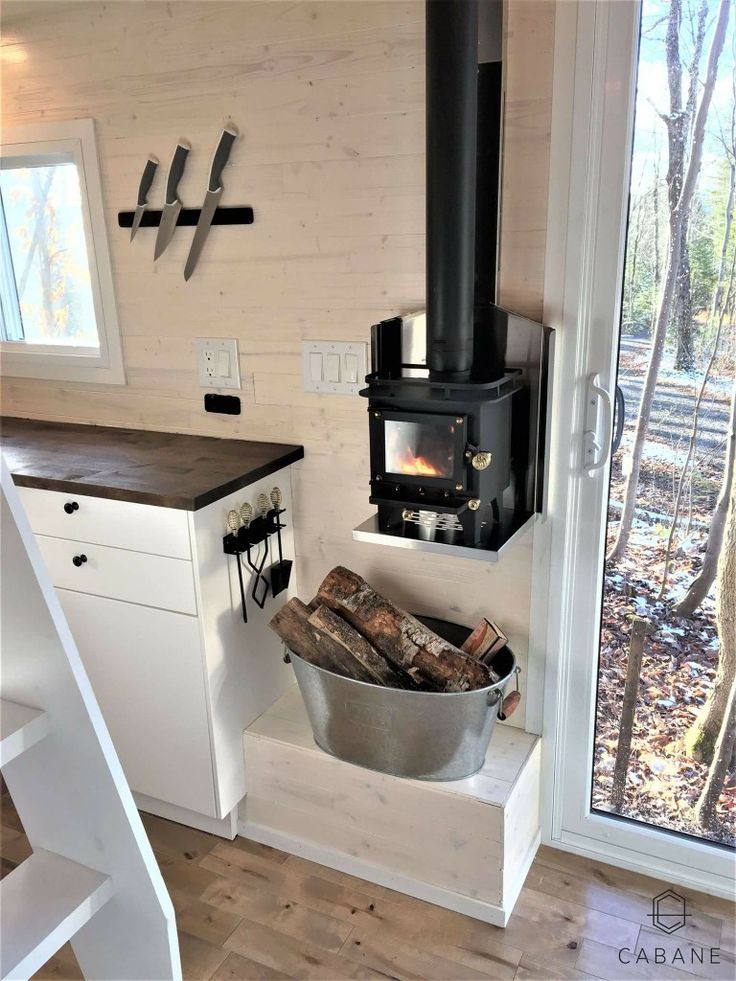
<point x="57" y="307"/>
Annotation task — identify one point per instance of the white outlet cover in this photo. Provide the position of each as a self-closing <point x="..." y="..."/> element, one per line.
<point x="313" y="350"/>
<point x="218" y="365"/>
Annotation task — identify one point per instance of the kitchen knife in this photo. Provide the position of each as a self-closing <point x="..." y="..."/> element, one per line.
<point x="172" y="204"/>
<point x="212" y="198"/>
<point x="149" y="172"/>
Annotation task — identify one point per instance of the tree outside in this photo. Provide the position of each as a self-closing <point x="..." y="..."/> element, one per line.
<point x="670" y="577"/>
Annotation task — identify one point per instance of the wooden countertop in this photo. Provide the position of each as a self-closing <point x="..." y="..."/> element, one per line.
<point x="168" y="470"/>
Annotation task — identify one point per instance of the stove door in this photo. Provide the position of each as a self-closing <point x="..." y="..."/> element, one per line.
<point x="418" y="448"/>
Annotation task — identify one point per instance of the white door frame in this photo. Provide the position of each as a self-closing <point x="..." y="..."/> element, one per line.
<point x="593" y="106"/>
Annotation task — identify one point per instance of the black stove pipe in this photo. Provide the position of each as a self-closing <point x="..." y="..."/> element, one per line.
<point x="452" y="107"/>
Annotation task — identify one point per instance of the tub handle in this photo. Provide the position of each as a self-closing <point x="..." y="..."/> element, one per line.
<point x="511" y="702"/>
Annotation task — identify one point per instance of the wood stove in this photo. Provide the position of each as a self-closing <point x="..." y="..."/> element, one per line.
<point x="456" y="399"/>
<point x="457" y="462"/>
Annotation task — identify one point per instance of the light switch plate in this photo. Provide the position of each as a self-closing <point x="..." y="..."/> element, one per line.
<point x="217" y="362"/>
<point x="330" y="366"/>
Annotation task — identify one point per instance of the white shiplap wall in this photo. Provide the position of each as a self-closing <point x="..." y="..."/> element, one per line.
<point x="329" y="99"/>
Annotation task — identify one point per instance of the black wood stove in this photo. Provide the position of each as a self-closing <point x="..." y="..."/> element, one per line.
<point x="457" y="398"/>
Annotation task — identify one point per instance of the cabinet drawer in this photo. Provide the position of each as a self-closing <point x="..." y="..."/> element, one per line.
<point x="120" y="524"/>
<point x="145" y="667"/>
<point x="151" y="580"/>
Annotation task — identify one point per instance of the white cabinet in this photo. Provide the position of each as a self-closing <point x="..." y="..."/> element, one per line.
<point x="156" y="612"/>
<point x="146" y="673"/>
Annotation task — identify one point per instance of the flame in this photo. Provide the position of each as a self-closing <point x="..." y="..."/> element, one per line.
<point x="417" y="466"/>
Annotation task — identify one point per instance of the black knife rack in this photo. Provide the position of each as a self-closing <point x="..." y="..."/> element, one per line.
<point x="189" y="217"/>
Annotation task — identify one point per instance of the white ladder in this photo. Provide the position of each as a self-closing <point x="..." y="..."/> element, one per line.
<point x="92" y="877"/>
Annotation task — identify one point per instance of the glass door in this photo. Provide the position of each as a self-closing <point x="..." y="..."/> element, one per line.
<point x="664" y="670"/>
<point x="643" y="678"/>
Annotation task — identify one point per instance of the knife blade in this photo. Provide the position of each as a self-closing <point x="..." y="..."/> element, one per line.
<point x="149" y="172"/>
<point x="172" y="204"/>
<point x="212" y="197"/>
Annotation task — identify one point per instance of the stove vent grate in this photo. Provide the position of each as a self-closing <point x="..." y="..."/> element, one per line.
<point x="434" y="520"/>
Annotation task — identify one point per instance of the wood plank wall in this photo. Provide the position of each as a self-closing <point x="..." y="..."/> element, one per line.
<point x="329" y="98"/>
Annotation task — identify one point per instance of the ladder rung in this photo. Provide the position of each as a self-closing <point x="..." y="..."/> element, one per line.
<point x="43" y="903"/>
<point x="20" y="728"/>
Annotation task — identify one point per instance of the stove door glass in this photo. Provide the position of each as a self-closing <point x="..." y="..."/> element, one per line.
<point x="420" y="449"/>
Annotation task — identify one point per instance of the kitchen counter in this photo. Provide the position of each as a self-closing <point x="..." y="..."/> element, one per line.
<point x="168" y="470"/>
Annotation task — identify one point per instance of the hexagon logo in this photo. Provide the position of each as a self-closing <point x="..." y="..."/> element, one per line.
<point x="669" y="911"/>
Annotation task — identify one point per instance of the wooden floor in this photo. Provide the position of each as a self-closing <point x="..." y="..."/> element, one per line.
<point x="246" y="911"/>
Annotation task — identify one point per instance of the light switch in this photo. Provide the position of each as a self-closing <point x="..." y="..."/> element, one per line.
<point x="351" y="368"/>
<point x="315" y="366"/>
<point x="223" y="364"/>
<point x="333" y="367"/>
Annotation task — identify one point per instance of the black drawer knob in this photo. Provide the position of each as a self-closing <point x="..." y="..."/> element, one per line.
<point x="71" y="506"/>
<point x="79" y="560"/>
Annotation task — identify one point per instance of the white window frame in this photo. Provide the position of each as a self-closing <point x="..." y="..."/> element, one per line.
<point x="65" y="362"/>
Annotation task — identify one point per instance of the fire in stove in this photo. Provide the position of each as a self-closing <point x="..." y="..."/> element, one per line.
<point x="416" y="466"/>
<point x="416" y="449"/>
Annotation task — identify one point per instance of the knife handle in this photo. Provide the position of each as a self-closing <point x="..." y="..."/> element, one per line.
<point x="176" y="170"/>
<point x="229" y="135"/>
<point x="149" y="172"/>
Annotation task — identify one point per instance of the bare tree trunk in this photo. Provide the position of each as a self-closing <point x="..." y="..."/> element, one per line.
<point x="702" y="736"/>
<point x="700" y="587"/>
<point x="722" y="295"/>
<point x="657" y="257"/>
<point x="683" y="313"/>
<point x="636" y="221"/>
<point x="44" y="257"/>
<point x="680" y="124"/>
<point x="673" y="268"/>
<point x="691" y="447"/>
<point x="723" y="749"/>
<point x="39" y="231"/>
<point x="628" y="710"/>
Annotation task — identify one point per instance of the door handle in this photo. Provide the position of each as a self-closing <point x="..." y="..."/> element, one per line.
<point x="619" y="419"/>
<point x="596" y="450"/>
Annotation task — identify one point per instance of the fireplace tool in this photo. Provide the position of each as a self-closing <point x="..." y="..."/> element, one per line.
<point x="253" y="533"/>
<point x="233" y="524"/>
<point x="258" y="532"/>
<point x="281" y="570"/>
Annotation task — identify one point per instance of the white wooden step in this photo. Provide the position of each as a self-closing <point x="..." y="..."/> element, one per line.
<point x="43" y="902"/>
<point x="464" y="844"/>
<point x="20" y="728"/>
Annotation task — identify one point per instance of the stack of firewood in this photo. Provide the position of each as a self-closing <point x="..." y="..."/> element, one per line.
<point x="351" y="630"/>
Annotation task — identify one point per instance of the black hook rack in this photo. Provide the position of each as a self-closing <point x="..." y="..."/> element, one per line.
<point x="189" y="217"/>
<point x="241" y="542"/>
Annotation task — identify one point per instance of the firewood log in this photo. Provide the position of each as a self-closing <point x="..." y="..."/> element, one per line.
<point x="485" y="641"/>
<point x="355" y="645"/>
<point x="408" y="644"/>
<point x="291" y="623"/>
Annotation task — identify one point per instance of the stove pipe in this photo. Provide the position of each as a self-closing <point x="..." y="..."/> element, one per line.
<point x="452" y="106"/>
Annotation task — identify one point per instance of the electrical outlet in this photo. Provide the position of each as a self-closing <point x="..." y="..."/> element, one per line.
<point x="217" y="362"/>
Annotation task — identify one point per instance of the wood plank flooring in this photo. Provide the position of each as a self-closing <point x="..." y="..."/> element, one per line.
<point x="246" y="911"/>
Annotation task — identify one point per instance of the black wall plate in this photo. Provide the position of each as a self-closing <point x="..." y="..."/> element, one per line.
<point x="229" y="405"/>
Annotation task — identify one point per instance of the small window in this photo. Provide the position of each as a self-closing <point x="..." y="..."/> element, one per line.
<point x="57" y="307"/>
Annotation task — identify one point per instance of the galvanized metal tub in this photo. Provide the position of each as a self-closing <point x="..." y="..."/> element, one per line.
<point x="424" y="735"/>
